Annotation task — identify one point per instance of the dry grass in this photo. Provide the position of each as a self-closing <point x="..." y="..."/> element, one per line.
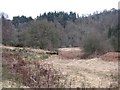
<point x="111" y="56"/>
<point x="34" y="74"/>
<point x="87" y="73"/>
<point x="57" y="72"/>
<point x="70" y="53"/>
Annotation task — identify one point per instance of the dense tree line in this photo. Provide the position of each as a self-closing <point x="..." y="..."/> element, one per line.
<point x="95" y="33"/>
<point x="61" y="17"/>
<point x="17" y="20"/>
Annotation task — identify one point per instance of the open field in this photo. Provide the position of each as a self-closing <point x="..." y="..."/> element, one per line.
<point x="87" y="73"/>
<point x="82" y="73"/>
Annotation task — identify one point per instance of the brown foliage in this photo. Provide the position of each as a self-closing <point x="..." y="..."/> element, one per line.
<point x="34" y="73"/>
<point x="111" y="56"/>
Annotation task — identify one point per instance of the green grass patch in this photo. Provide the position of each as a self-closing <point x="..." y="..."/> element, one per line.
<point x="44" y="56"/>
<point x="32" y="56"/>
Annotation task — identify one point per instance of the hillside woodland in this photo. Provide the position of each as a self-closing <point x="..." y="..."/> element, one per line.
<point x="29" y="46"/>
<point x="96" y="33"/>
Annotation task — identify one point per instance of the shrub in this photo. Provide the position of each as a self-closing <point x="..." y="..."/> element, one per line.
<point x="95" y="43"/>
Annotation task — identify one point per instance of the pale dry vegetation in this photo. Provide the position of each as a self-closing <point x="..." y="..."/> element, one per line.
<point x="59" y="49"/>
<point x="87" y="73"/>
<point x="57" y="72"/>
<point x="29" y="73"/>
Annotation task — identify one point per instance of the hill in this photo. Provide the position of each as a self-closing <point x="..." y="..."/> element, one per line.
<point x="60" y="29"/>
